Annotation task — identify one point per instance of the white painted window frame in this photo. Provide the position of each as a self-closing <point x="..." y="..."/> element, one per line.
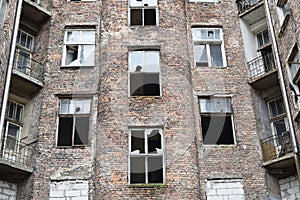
<point x="158" y="72"/>
<point x="80" y="44"/>
<point x="146" y="154"/>
<point x="207" y="43"/>
<point x="143" y="7"/>
<point x="222" y="113"/>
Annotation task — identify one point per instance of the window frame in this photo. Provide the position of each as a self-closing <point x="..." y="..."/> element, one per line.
<point x="217" y="114"/>
<point x="146" y="154"/>
<point x="21" y="49"/>
<point x="143" y="7"/>
<point x="144" y="73"/>
<point x="208" y="43"/>
<point x="79" y="44"/>
<point x="73" y="116"/>
<point x="3" y="11"/>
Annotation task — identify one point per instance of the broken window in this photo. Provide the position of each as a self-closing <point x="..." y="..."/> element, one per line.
<point x="278" y="119"/>
<point x="79" y="48"/>
<point x="216" y="120"/>
<point x="208" y="47"/>
<point x="144" y="73"/>
<point x="143" y="12"/>
<point x="24" y="51"/>
<point x="146" y="156"/>
<point x="13" y="120"/>
<point x="73" y="122"/>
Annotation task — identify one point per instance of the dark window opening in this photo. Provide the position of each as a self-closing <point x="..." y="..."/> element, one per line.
<point x="137" y="170"/>
<point x="154" y="141"/>
<point x="217" y="129"/>
<point x="155" y="170"/>
<point x="142" y="17"/>
<point x="150" y="17"/>
<point x="65" y="130"/>
<point x="137" y="141"/>
<point x="136" y="17"/>
<point x="144" y="85"/>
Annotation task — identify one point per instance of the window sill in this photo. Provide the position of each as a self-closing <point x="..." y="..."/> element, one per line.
<point x="75" y="67"/>
<point x="208" y="67"/>
<point x="284" y="24"/>
<point x="72" y="147"/>
<point x="150" y="185"/>
<point x="204" y="1"/>
<point x="145" y="97"/>
<point x="220" y="146"/>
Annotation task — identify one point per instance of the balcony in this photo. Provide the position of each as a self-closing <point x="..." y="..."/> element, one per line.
<point x="35" y="14"/>
<point x="16" y="160"/>
<point x="251" y="11"/>
<point x="27" y="76"/>
<point x="262" y="72"/>
<point x="278" y="156"/>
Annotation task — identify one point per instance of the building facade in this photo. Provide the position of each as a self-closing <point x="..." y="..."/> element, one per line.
<point x="149" y="99"/>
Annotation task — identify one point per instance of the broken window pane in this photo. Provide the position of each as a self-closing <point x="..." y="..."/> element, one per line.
<point x="72" y="55"/>
<point x="81" y="130"/>
<point x="149" y="17"/>
<point x="136" y="17"/>
<point x="138" y="141"/>
<point x="87" y="55"/>
<point x="201" y="55"/>
<point x="73" y="36"/>
<point x="137" y="170"/>
<point x="217" y="129"/>
<point x="155" y="169"/>
<point x="65" y="131"/>
<point x="154" y="141"/>
<point x="216" y="55"/>
<point x="142" y="84"/>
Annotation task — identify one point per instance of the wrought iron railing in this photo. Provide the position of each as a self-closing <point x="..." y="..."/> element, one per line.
<point x="28" y="66"/>
<point x="16" y="152"/>
<point x="261" y="65"/>
<point x="244" y="5"/>
<point x="276" y="146"/>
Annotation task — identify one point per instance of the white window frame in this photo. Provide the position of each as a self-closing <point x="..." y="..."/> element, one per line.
<point x="207" y="42"/>
<point x="80" y="44"/>
<point x="143" y="5"/>
<point x="3" y="10"/>
<point x="145" y="155"/>
<point x="277" y="118"/>
<point x="17" y="138"/>
<point x="143" y="70"/>
<point x="208" y="1"/>
<point x="218" y="113"/>
<point x="73" y="112"/>
<point x="283" y="13"/>
<point x="24" y="49"/>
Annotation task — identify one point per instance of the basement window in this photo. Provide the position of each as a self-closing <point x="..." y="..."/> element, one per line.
<point x="79" y="48"/>
<point x="144" y="73"/>
<point x="217" y="121"/>
<point x="143" y="12"/>
<point x="146" y="156"/>
<point x="73" y="122"/>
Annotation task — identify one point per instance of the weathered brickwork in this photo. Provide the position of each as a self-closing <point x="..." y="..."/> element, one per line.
<point x="8" y="190"/>
<point x="192" y="170"/>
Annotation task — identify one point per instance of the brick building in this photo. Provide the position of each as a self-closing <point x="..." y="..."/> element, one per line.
<point x="149" y="99"/>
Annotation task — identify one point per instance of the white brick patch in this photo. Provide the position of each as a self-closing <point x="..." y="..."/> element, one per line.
<point x="71" y="190"/>
<point x="8" y="190"/>
<point x="290" y="188"/>
<point x="225" y="189"/>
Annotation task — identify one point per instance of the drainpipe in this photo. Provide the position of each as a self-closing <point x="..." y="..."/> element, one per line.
<point x="281" y="79"/>
<point x="10" y="66"/>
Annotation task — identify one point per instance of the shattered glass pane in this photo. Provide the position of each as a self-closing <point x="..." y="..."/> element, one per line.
<point x="154" y="142"/>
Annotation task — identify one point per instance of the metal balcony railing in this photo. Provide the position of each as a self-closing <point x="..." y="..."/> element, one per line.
<point x="276" y="146"/>
<point x="261" y="65"/>
<point x="28" y="66"/>
<point x="244" y="5"/>
<point x="17" y="153"/>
